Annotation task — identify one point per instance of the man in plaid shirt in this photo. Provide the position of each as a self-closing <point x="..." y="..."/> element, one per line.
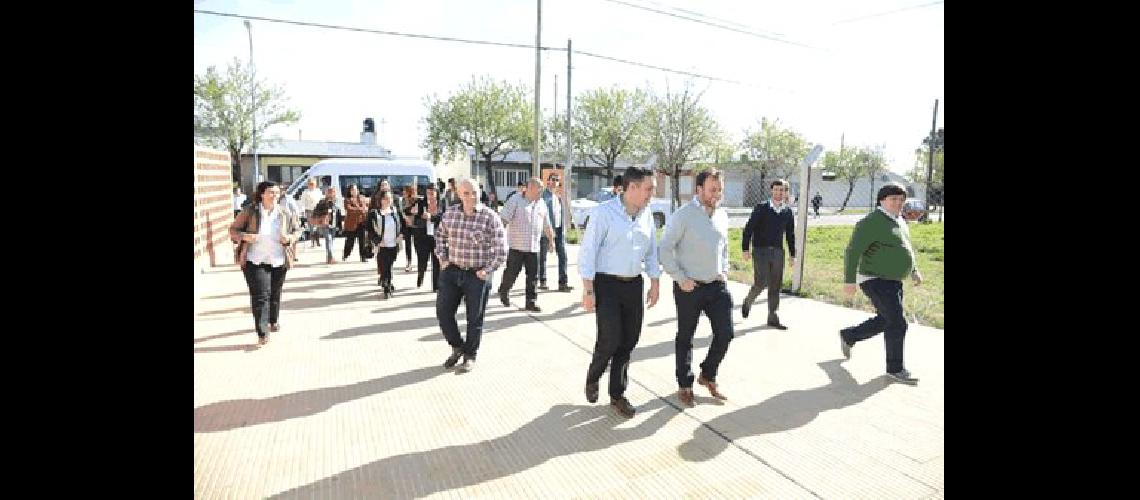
<point x="526" y="219"/>
<point x="471" y="245"/>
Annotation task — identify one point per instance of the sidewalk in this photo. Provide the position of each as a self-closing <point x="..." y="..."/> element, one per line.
<point x="349" y="400"/>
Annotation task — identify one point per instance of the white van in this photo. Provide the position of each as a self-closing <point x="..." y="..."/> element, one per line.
<point x="366" y="173"/>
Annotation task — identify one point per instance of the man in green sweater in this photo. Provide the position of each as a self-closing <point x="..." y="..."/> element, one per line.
<point x="879" y="257"/>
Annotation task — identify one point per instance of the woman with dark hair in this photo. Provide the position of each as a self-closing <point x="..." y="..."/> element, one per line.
<point x="265" y="233"/>
<point x="410" y="209"/>
<point x="356" y="208"/>
<point x="384" y="232"/>
<point x="430" y="210"/>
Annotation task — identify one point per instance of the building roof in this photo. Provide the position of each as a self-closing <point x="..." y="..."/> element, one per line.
<point x="327" y="149"/>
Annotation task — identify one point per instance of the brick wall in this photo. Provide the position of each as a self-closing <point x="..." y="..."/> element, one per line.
<point x="213" y="208"/>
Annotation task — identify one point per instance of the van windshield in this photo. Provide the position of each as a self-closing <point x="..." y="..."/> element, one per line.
<point x="368" y="183"/>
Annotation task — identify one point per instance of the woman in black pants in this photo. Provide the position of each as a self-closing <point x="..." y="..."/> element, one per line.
<point x="409" y="207"/>
<point x="430" y="211"/>
<point x="266" y="234"/>
<point x="384" y="232"/>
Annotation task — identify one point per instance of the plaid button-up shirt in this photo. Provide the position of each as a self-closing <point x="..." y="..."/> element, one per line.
<point x="526" y="221"/>
<point x="471" y="241"/>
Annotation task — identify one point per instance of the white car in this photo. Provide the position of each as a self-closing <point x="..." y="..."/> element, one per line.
<point x="580" y="208"/>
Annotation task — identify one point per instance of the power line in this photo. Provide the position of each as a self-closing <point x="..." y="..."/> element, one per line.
<point x="851" y="20"/>
<point x="380" y="32"/>
<point x="484" y="42"/>
<point x="721" y="26"/>
<point x="650" y="66"/>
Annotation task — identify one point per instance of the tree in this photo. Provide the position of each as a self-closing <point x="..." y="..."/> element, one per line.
<point x="679" y="131"/>
<point x="773" y="151"/>
<point x="922" y="158"/>
<point x="225" y="104"/>
<point x="847" y="167"/>
<point x="874" y="162"/>
<point x="492" y="117"/>
<point x="609" y="123"/>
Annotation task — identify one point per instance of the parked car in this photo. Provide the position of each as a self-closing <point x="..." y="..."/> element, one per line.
<point x="915" y="209"/>
<point x="580" y="208"/>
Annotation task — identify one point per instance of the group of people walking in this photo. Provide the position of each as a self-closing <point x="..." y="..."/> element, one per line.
<point x="467" y="242"/>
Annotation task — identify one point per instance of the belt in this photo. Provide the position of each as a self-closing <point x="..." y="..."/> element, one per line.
<point x="626" y="279"/>
<point x="470" y="269"/>
<point x="703" y="283"/>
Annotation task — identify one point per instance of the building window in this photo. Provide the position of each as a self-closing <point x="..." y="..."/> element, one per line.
<point x="285" y="174"/>
<point x="510" y="177"/>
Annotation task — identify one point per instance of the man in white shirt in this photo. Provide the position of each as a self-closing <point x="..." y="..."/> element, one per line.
<point x="239" y="199"/>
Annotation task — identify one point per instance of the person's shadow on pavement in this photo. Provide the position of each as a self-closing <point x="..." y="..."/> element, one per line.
<point x="561" y="431"/>
<point x="773" y="415"/>
<point x="226" y="415"/>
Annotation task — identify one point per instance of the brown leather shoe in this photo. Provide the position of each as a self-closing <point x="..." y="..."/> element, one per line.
<point x="685" y="394"/>
<point x="273" y="327"/>
<point x="262" y="340"/>
<point x="711" y="386"/>
<point x="622" y="406"/>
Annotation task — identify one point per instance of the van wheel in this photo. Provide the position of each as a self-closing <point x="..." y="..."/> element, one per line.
<point x="659" y="219"/>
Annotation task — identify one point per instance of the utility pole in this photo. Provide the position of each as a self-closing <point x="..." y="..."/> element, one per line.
<point x="566" y="185"/>
<point x="930" y="163"/>
<point x="537" y="154"/>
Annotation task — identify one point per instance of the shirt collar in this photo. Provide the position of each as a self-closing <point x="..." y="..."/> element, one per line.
<point x="782" y="206"/>
<point x="888" y="214"/>
<point x="270" y="213"/>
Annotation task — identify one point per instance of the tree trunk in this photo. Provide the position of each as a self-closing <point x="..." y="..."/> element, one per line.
<point x="850" y="188"/>
<point x="676" y="182"/>
<point x="490" y="176"/>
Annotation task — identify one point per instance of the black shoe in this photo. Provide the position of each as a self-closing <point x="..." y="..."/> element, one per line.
<point x="532" y="307"/>
<point x="565" y="288"/>
<point x="746" y="308"/>
<point x="468" y="364"/>
<point x="844" y="347"/>
<point x="622" y="406"/>
<point x="542" y="285"/>
<point x="774" y="322"/>
<point x="504" y="299"/>
<point x="454" y="358"/>
<point x="904" y="376"/>
<point x="379" y="281"/>
<point x="592" y="392"/>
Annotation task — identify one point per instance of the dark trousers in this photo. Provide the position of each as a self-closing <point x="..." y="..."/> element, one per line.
<point x="385" y="256"/>
<point x="454" y="284"/>
<point x="425" y="248"/>
<point x="516" y="260"/>
<point x="767" y="271"/>
<point x="265" y="283"/>
<point x="618" y="313"/>
<point x="887" y="297"/>
<point x="714" y="300"/>
<point x="560" y="249"/>
<point x="408" y="233"/>
<point x="356" y="236"/>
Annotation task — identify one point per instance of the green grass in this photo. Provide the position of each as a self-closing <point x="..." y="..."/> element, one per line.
<point x="823" y="270"/>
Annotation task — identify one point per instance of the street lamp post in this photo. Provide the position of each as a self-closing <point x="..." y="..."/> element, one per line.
<point x="252" y="103"/>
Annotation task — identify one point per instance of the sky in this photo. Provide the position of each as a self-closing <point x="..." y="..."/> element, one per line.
<point x="867" y="71"/>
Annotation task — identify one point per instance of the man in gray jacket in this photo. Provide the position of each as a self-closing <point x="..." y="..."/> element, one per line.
<point x="694" y="251"/>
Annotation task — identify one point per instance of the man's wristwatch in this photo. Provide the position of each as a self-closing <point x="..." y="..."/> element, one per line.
<point x="589" y="292"/>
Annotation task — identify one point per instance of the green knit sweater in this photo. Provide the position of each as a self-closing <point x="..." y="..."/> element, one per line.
<point x="879" y="247"/>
